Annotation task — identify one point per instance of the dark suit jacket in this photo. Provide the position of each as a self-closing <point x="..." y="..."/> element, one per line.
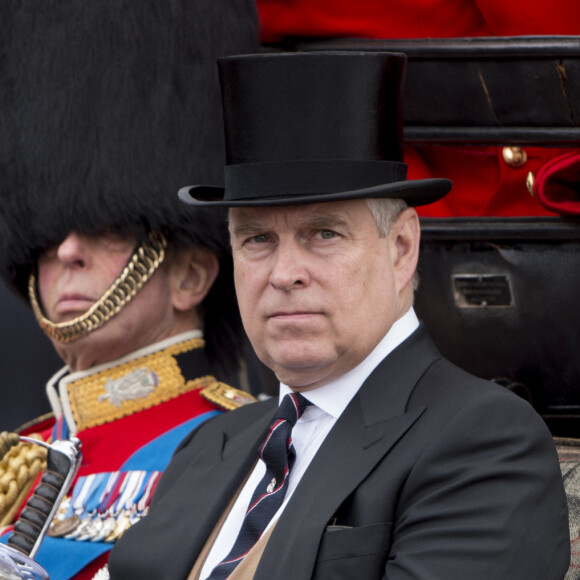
<point x="429" y="473"/>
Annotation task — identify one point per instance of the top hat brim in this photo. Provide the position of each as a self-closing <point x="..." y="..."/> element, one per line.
<point x="415" y="192"/>
<point x="312" y="128"/>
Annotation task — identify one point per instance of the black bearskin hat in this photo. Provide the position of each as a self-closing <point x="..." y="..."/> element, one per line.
<point x="106" y="108"/>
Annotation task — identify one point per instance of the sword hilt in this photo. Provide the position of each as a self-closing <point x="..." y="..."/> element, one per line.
<point x="62" y="464"/>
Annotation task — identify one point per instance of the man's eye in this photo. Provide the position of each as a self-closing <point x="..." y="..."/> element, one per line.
<point x="259" y="239"/>
<point x="327" y="234"/>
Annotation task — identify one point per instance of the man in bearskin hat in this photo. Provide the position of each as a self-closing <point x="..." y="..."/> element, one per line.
<point x="107" y="107"/>
<point x="380" y="459"/>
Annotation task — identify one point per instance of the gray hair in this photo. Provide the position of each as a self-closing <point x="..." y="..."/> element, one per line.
<point x="385" y="211"/>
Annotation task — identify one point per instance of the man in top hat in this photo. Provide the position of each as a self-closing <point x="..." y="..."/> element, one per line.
<point x="383" y="460"/>
<point x="108" y="106"/>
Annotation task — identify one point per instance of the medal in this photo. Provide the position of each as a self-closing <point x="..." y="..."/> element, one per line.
<point x="104" y="505"/>
<point x="85" y="504"/>
<point x="61" y="527"/>
<point x="80" y="530"/>
<point x="122" y="510"/>
<point x="66" y="524"/>
<point x="117" y="483"/>
<point x="122" y="524"/>
<point x="143" y="505"/>
<point x="108" y="523"/>
<point x="87" y="527"/>
<point x="101" y="528"/>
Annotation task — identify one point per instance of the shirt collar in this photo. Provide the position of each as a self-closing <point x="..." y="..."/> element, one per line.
<point x="334" y="397"/>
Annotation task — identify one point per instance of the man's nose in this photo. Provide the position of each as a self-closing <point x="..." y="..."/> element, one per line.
<point x="289" y="269"/>
<point x="72" y="250"/>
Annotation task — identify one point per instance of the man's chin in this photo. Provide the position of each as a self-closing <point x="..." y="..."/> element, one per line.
<point x="301" y="373"/>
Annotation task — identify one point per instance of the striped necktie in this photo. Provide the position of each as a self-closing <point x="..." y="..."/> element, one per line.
<point x="278" y="454"/>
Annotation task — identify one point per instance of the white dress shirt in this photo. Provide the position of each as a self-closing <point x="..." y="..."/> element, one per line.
<point x="328" y="403"/>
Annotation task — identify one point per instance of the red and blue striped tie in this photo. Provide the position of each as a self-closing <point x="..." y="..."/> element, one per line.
<point x="278" y="454"/>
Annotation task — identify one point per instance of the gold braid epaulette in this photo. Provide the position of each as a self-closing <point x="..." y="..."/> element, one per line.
<point x="226" y="397"/>
<point x="20" y="463"/>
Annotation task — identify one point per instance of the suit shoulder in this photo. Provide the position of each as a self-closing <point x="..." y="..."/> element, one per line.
<point x="447" y="387"/>
<point x="230" y="421"/>
<point x="244" y="415"/>
<point x="469" y="414"/>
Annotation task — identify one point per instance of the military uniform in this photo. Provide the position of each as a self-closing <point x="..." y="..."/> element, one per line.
<point x="129" y="415"/>
<point x="95" y="141"/>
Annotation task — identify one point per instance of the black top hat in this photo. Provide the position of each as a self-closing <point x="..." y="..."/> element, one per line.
<point x="313" y="127"/>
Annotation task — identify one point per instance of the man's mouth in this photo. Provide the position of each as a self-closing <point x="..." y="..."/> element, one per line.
<point x="73" y="303"/>
<point x="293" y="315"/>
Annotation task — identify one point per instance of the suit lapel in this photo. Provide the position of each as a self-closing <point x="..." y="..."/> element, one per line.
<point x="373" y="422"/>
<point x="204" y="488"/>
<point x="236" y="445"/>
<point x="229" y="465"/>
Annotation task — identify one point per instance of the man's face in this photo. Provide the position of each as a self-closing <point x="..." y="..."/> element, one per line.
<point x="75" y="273"/>
<point x="318" y="287"/>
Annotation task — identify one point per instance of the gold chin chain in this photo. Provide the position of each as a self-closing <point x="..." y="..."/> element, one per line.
<point x="141" y="266"/>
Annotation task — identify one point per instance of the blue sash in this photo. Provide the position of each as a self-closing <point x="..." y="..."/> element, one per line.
<point x="63" y="558"/>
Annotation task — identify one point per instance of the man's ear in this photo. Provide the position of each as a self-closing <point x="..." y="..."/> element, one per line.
<point x="192" y="273"/>
<point x="405" y="234"/>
